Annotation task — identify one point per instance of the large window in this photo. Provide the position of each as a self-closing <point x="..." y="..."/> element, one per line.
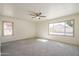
<point x="7" y="28"/>
<point x="62" y="28"/>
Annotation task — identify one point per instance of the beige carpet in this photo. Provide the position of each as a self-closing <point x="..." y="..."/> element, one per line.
<point x="38" y="47"/>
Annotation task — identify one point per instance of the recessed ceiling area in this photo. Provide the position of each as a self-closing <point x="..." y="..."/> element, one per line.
<point x="50" y="10"/>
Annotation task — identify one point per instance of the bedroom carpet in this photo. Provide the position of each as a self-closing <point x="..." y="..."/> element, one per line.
<point x="38" y="47"/>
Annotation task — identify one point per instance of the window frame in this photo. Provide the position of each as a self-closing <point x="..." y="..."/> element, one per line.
<point x="3" y="28"/>
<point x="64" y="27"/>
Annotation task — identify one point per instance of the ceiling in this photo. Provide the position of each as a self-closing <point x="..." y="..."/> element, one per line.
<point x="50" y="10"/>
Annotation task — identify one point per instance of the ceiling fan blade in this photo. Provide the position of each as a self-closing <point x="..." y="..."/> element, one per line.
<point x="42" y="16"/>
<point x="39" y="13"/>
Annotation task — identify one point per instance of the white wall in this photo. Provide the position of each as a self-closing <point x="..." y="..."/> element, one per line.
<point x="42" y="30"/>
<point x="22" y="29"/>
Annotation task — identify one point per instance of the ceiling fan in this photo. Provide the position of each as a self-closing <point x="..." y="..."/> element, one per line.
<point x="37" y="15"/>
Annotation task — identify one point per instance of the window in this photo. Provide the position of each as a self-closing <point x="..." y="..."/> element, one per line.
<point x="62" y="28"/>
<point x="7" y="28"/>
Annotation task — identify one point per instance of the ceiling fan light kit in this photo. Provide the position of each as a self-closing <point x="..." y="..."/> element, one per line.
<point x="38" y="17"/>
